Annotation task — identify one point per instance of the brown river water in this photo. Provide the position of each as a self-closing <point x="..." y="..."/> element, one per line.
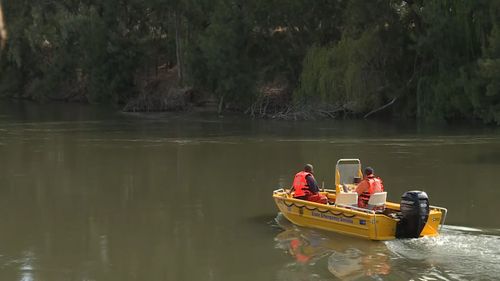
<point x="89" y="193"/>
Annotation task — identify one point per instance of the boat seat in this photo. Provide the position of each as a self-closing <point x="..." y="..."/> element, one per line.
<point x="347" y="199"/>
<point x="377" y="201"/>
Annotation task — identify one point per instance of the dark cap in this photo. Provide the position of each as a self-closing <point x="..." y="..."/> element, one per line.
<point x="309" y="168"/>
<point x="368" y="171"/>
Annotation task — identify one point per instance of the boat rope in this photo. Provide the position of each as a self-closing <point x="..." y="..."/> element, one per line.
<point x="318" y="210"/>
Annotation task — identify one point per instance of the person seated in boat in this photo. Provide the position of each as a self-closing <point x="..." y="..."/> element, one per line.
<point x="369" y="185"/>
<point x="305" y="186"/>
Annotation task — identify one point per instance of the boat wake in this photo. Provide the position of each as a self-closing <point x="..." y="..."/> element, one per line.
<point x="459" y="253"/>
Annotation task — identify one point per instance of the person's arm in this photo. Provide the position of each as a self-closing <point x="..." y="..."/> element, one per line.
<point x="311" y="183"/>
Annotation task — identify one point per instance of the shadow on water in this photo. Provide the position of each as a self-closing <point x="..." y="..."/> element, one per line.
<point x="458" y="254"/>
<point x="492" y="158"/>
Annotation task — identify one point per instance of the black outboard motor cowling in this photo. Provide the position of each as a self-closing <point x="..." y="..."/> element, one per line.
<point x="414" y="214"/>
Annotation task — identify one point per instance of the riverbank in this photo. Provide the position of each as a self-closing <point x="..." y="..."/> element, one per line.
<point x="163" y="93"/>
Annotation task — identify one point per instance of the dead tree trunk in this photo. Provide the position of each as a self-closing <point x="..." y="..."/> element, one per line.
<point x="178" y="47"/>
<point x="3" y="30"/>
<point x="221" y="105"/>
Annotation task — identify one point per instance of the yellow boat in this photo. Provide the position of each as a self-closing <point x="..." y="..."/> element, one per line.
<point x="383" y="220"/>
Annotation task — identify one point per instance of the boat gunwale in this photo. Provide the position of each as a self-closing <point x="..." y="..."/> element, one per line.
<point x="354" y="210"/>
<point x="282" y="194"/>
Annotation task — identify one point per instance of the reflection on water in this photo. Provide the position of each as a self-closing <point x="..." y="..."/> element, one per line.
<point x="355" y="263"/>
<point x="345" y="257"/>
<point x="458" y="254"/>
<point x="27" y="267"/>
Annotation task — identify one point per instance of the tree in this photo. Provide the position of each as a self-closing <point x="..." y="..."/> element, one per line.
<point x="223" y="53"/>
<point x="366" y="68"/>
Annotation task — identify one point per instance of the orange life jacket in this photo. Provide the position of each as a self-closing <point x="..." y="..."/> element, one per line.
<point x="374" y="185"/>
<point x="300" y="184"/>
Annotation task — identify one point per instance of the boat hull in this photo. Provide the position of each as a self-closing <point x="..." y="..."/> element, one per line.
<point x="359" y="223"/>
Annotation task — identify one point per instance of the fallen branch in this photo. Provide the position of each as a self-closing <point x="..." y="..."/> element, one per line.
<point x="380" y="108"/>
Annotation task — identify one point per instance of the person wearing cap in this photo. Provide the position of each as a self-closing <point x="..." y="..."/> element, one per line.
<point x="369" y="185"/>
<point x="305" y="186"/>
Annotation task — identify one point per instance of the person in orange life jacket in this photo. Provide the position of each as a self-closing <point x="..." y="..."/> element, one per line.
<point x="369" y="185"/>
<point x="305" y="186"/>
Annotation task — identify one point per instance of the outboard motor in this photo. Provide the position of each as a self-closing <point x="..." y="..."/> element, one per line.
<point x="414" y="214"/>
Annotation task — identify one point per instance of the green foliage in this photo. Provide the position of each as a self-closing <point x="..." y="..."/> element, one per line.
<point x="346" y="74"/>
<point x="486" y="102"/>
<point x="354" y="72"/>
<point x="60" y="50"/>
<point x="447" y="60"/>
<point x="228" y="70"/>
<point x="440" y="60"/>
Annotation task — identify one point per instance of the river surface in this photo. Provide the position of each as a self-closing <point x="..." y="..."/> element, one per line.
<point x="89" y="193"/>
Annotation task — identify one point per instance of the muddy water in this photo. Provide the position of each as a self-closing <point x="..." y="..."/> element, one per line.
<point x="88" y="193"/>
